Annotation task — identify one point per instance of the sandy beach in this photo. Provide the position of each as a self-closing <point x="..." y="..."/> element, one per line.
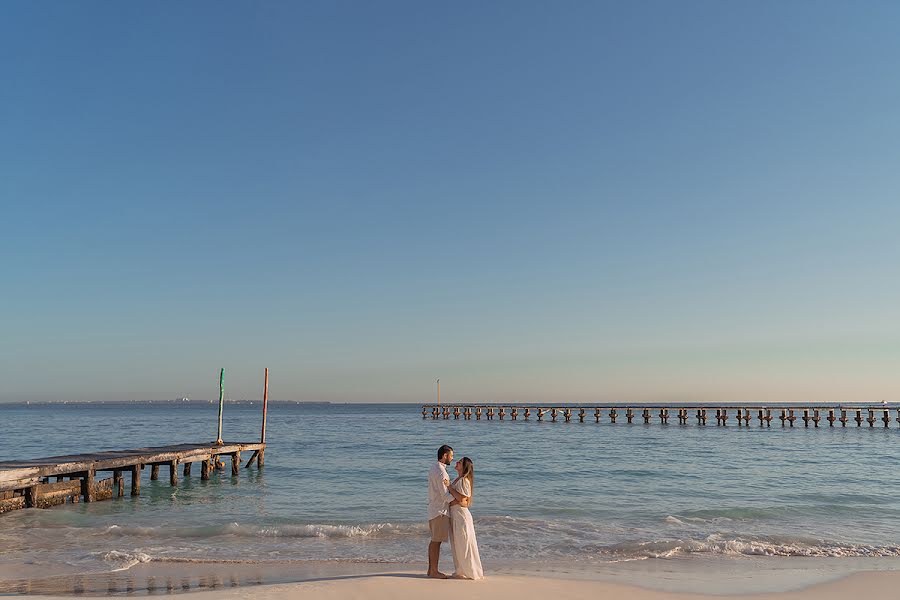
<point x="414" y="586"/>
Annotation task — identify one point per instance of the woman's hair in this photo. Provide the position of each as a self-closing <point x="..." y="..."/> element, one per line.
<point x="468" y="472"/>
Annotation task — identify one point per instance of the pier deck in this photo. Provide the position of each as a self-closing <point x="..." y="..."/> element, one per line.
<point x="26" y="483"/>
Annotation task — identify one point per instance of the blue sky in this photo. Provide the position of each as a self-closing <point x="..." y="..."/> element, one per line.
<point x="532" y="201"/>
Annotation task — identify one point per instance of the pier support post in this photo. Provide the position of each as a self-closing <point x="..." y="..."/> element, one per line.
<point x="173" y="473"/>
<point x="87" y="486"/>
<point x="514" y="413"/>
<point x="783" y="416"/>
<point x="791" y="417"/>
<point x="629" y="416"/>
<point x="568" y="415"/>
<point x="154" y="472"/>
<point x="187" y="469"/>
<point x="478" y="413"/>
<point x="527" y="413"/>
<point x="700" y="418"/>
<point x="871" y="419"/>
<point x="612" y="415"/>
<point x="261" y="459"/>
<point x="843" y="418"/>
<point x="501" y="413"/>
<point x="456" y="413"/>
<point x="434" y="413"/>
<point x="831" y="418"/>
<point x="806" y="417"/>
<point x="646" y="415"/>
<point x="553" y="414"/>
<point x="31" y="496"/>
<point x="204" y="469"/>
<point x="581" y="415"/>
<point x="119" y="483"/>
<point x="597" y="415"/>
<point x="886" y="418"/>
<point x="858" y="418"/>
<point x="136" y="480"/>
<point x="235" y="463"/>
<point x="540" y="414"/>
<point x="760" y="417"/>
<point x="816" y="417"/>
<point x="424" y="413"/>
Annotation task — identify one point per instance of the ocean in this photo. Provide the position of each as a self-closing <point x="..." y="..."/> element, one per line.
<point x="344" y="490"/>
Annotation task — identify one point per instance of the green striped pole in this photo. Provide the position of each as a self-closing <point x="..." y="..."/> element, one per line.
<point x="219" y="441"/>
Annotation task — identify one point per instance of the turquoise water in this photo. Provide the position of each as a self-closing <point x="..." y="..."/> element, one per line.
<point x="347" y="483"/>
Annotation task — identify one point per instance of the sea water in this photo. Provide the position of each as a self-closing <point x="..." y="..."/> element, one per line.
<point x="346" y="485"/>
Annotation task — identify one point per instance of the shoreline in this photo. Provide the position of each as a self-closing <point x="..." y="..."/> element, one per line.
<point x="752" y="576"/>
<point x="409" y="585"/>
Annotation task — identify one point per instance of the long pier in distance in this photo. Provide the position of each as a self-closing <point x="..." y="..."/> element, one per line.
<point x="743" y="414"/>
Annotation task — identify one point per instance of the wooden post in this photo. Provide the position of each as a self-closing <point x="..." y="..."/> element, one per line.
<point x="187" y="469"/>
<point x="219" y="441"/>
<point x="262" y="436"/>
<point x="154" y="472"/>
<point x="119" y="483"/>
<point x="612" y="415"/>
<point x="31" y="496"/>
<point x="173" y="473"/>
<point x="87" y="486"/>
<point x="204" y="469"/>
<point x="261" y="459"/>
<point x="597" y="415"/>
<point x="136" y="480"/>
<point x="236" y="463"/>
<point x="253" y="457"/>
<point x="886" y="418"/>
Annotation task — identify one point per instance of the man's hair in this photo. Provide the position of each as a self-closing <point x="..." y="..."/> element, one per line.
<point x="444" y="450"/>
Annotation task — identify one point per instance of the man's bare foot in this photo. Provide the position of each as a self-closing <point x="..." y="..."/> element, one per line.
<point x="437" y="575"/>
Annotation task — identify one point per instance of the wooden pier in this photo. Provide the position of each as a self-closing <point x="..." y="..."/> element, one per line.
<point x="744" y="414"/>
<point x="27" y="483"/>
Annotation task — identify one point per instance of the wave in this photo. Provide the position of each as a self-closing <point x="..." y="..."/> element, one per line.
<point x="739" y="546"/>
<point x="313" y="530"/>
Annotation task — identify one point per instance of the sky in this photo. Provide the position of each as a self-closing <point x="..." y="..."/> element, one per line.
<point x="533" y="201"/>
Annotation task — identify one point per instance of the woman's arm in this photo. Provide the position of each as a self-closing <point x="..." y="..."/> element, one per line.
<point x="458" y="498"/>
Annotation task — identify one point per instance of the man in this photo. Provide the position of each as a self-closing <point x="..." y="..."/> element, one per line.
<point x="439" y="500"/>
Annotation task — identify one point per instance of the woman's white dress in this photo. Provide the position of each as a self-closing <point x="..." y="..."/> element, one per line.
<point x="462" y="537"/>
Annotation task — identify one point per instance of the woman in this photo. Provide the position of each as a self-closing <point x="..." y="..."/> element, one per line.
<point x="462" y="530"/>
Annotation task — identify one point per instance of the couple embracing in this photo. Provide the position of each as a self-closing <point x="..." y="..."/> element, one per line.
<point x="449" y="518"/>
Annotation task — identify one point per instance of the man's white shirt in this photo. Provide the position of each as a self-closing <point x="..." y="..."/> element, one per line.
<point x="439" y="498"/>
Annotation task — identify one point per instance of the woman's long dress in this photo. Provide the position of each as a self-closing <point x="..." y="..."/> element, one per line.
<point x="462" y="537"/>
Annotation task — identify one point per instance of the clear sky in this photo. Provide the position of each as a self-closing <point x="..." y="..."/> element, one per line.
<point x="535" y="201"/>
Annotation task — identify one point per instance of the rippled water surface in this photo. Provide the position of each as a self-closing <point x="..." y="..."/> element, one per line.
<point x="347" y="482"/>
